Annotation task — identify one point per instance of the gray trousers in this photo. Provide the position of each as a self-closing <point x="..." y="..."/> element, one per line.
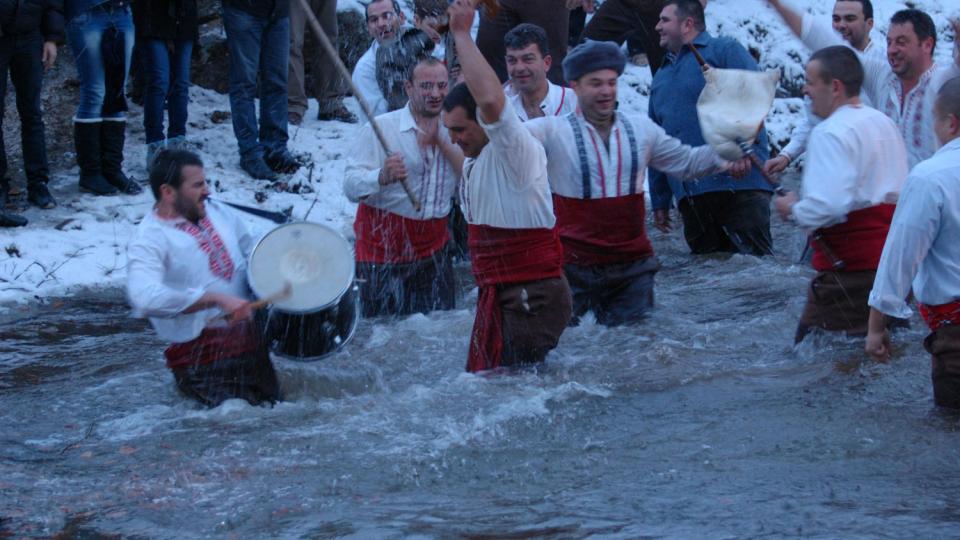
<point x="328" y="86"/>
<point x="616" y="293"/>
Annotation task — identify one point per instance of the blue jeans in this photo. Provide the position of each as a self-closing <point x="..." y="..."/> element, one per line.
<point x="101" y="39"/>
<point x="166" y="69"/>
<point x="261" y="47"/>
<point x="20" y="55"/>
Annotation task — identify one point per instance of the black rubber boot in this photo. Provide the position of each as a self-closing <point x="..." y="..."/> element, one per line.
<point x="39" y="195"/>
<point x="86" y="137"/>
<point x="8" y="219"/>
<point x="112" y="136"/>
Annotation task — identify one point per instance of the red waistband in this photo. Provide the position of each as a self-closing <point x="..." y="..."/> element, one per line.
<point x="940" y="315"/>
<point x="501" y="256"/>
<point x="858" y="242"/>
<point x="602" y="231"/>
<point x="385" y="237"/>
<point x="213" y="344"/>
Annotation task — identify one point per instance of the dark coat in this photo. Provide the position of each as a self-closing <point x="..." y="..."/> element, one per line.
<point x="26" y="16"/>
<point x="172" y="20"/>
<point x="264" y="9"/>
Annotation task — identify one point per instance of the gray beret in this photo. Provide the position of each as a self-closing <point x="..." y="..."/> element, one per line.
<point x="592" y="56"/>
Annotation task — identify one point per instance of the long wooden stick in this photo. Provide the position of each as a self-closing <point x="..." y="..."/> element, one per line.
<point x="345" y="73"/>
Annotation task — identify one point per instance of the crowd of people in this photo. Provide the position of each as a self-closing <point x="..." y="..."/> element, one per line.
<point x="547" y="178"/>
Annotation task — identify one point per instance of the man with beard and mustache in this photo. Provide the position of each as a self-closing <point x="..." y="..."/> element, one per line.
<point x="186" y="272"/>
<point x="528" y="61"/>
<point x="596" y="160"/>
<point x="905" y="85"/>
<point x="403" y="254"/>
<point x="384" y="19"/>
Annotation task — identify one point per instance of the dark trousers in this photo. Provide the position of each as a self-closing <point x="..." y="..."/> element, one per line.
<point x="402" y="289"/>
<point x="166" y="68"/>
<point x="837" y="302"/>
<point x="633" y="20"/>
<point x="535" y="314"/>
<point x="728" y="221"/>
<point x="944" y="345"/>
<point x="616" y="293"/>
<point x="20" y="56"/>
<point x="250" y="376"/>
<point x="552" y="15"/>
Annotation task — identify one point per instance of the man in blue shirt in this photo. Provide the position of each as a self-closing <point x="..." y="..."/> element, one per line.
<point x="720" y="213"/>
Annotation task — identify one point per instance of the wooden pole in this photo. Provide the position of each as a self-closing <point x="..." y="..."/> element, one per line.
<point x="345" y="73"/>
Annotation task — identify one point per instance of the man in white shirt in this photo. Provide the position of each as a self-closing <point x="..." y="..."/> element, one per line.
<point x="384" y="19"/>
<point x="524" y="302"/>
<point x="853" y="21"/>
<point x="402" y="253"/>
<point x="596" y="160"/>
<point x="856" y="165"/>
<point x="904" y="86"/>
<point x="528" y="60"/>
<point x="923" y="250"/>
<point x="186" y="271"/>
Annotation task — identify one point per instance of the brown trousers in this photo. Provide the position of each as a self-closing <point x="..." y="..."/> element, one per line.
<point x="944" y="345"/>
<point x="837" y="301"/>
<point x="535" y="314"/>
<point x="328" y="86"/>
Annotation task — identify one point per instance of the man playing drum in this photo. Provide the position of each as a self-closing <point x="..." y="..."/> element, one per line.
<point x="187" y="273"/>
<point x="403" y="258"/>
<point x="524" y="301"/>
<point x="856" y="165"/>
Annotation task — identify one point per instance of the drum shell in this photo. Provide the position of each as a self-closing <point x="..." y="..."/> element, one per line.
<point x="308" y="337"/>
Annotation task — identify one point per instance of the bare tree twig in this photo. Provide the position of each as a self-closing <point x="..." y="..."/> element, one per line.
<point x="70" y="257"/>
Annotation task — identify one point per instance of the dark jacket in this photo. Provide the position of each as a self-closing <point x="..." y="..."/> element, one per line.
<point x="264" y="9"/>
<point x="172" y="20"/>
<point x="26" y="16"/>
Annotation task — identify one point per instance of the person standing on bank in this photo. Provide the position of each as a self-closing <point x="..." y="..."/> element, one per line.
<point x="258" y="37"/>
<point x="166" y="30"/>
<point x="720" y="213"/>
<point x="29" y="35"/>
<point x="524" y="302"/>
<point x="856" y="166"/>
<point x="923" y="251"/>
<point x="403" y="254"/>
<point x="328" y="86"/>
<point x="186" y="272"/>
<point x="100" y="34"/>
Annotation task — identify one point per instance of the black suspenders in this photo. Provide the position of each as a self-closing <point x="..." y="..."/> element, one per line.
<point x="585" y="164"/>
<point x="634" y="157"/>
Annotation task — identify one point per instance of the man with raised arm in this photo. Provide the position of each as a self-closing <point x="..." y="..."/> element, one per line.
<point x="904" y="86"/>
<point x="187" y="274"/>
<point x="524" y="301"/>
<point x="923" y="250"/>
<point x="403" y="257"/>
<point x="853" y="21"/>
<point x="856" y="165"/>
<point x="596" y="160"/>
<point x="720" y="213"/>
<point x="528" y="60"/>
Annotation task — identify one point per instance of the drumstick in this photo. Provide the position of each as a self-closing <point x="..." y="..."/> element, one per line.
<point x="263" y="302"/>
<point x="345" y="73"/>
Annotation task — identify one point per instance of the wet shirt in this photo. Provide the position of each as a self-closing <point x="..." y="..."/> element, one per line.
<point x="914" y="118"/>
<point x="365" y="79"/>
<point x="429" y="175"/>
<point x="923" y="245"/>
<point x="506" y="185"/>
<point x="616" y="168"/>
<point x="559" y="101"/>
<point x="172" y="263"/>
<point x="856" y="159"/>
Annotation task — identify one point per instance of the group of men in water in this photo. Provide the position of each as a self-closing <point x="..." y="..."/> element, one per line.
<point x="550" y="182"/>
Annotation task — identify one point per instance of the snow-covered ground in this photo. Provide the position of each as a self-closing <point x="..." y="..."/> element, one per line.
<point x="82" y="243"/>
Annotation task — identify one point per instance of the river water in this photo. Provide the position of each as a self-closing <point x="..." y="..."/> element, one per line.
<point x="703" y="422"/>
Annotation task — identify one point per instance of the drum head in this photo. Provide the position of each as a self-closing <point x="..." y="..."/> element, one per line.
<point x="315" y="259"/>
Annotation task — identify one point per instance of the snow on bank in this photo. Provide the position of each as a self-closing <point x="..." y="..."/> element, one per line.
<point x="82" y="243"/>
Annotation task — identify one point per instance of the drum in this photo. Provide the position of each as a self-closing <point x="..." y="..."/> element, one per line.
<point x="322" y="311"/>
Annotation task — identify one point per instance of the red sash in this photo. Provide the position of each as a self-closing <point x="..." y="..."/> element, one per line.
<point x="213" y="344"/>
<point x="941" y="315"/>
<point x="385" y="237"/>
<point x="602" y="231"/>
<point x="858" y="242"/>
<point x="501" y="256"/>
